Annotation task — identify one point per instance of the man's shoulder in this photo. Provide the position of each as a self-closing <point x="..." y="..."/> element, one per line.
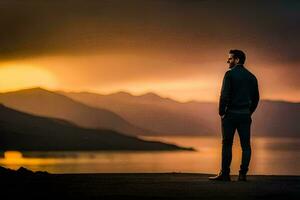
<point x="252" y="75"/>
<point x="228" y="72"/>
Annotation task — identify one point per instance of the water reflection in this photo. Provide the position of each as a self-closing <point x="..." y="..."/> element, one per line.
<point x="270" y="156"/>
<point x="14" y="159"/>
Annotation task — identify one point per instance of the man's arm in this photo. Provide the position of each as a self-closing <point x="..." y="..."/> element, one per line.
<point x="255" y="97"/>
<point x="225" y="94"/>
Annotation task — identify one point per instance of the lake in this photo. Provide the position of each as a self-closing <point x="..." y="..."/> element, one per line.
<point x="278" y="156"/>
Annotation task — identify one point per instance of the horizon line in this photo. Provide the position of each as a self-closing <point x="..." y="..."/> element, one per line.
<point x="127" y="92"/>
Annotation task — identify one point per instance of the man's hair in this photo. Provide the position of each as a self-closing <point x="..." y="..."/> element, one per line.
<point x="238" y="54"/>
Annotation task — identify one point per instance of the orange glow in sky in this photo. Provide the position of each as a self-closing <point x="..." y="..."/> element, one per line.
<point x="16" y="76"/>
<point x="137" y="75"/>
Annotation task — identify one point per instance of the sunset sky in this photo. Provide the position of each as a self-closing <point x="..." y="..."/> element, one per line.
<point x="175" y="48"/>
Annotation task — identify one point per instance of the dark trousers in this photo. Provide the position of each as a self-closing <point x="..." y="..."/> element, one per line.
<point x="231" y="122"/>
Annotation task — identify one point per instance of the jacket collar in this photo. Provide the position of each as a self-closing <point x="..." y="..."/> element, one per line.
<point x="237" y="65"/>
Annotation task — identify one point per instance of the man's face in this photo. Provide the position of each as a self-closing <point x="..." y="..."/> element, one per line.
<point x="232" y="61"/>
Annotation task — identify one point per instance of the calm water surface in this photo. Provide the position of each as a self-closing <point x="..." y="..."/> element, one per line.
<point x="269" y="156"/>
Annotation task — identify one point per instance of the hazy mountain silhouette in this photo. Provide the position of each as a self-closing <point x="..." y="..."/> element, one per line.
<point x="162" y="115"/>
<point x="22" y="131"/>
<point x="170" y="117"/>
<point x="47" y="103"/>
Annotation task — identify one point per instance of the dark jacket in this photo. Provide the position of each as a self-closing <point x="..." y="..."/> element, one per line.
<point x="239" y="91"/>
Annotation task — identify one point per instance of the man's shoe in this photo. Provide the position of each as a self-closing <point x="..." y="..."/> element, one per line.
<point x="242" y="177"/>
<point x="220" y="177"/>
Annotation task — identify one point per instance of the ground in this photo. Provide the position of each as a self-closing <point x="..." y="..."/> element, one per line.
<point x="147" y="186"/>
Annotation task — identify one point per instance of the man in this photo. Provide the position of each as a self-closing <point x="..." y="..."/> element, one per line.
<point x="238" y="100"/>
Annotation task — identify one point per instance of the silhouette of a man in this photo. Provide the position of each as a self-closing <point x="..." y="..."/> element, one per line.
<point x="238" y="100"/>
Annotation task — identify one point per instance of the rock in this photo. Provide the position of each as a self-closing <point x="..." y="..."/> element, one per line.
<point x="21" y="171"/>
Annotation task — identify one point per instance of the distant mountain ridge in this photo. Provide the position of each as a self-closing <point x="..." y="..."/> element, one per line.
<point x="47" y="103"/>
<point x="25" y="132"/>
<point x="169" y="117"/>
<point x="165" y="116"/>
<point x="162" y="115"/>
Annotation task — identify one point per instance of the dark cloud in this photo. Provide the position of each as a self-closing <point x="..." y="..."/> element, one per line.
<point x="35" y="28"/>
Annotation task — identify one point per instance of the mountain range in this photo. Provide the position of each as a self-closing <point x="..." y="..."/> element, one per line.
<point x="26" y="132"/>
<point x="43" y="102"/>
<point x="169" y="117"/>
<point x="149" y="114"/>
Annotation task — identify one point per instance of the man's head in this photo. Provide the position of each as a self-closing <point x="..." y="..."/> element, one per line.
<point x="236" y="57"/>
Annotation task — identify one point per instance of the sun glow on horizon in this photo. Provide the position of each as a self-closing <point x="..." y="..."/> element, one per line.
<point x="14" y="77"/>
<point x="86" y="74"/>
